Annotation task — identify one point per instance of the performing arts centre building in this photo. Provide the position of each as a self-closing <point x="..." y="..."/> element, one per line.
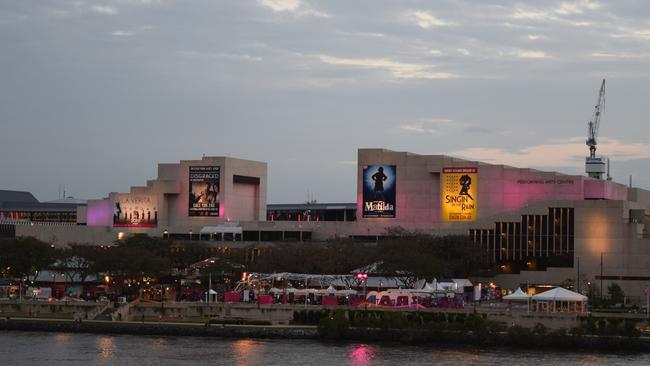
<point x="537" y="227"/>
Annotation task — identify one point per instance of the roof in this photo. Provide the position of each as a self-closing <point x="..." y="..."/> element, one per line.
<point x="517" y="295"/>
<point x="559" y="294"/>
<point x="69" y="200"/>
<point x="312" y="206"/>
<point x="16" y="196"/>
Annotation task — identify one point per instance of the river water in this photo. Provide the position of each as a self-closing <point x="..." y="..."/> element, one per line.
<point x="30" y="348"/>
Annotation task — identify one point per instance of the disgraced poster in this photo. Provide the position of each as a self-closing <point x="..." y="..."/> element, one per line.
<point x="135" y="210"/>
<point x="379" y="187"/>
<point x="459" y="194"/>
<point x="204" y="191"/>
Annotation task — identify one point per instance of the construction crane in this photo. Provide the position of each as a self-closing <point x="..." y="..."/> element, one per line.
<point x="595" y="166"/>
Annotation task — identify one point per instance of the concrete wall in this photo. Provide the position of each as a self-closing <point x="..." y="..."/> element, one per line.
<point x="63" y="234"/>
<point x="170" y="194"/>
<point x="501" y="189"/>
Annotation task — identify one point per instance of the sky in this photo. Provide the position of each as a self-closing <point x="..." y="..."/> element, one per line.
<point x="94" y="94"/>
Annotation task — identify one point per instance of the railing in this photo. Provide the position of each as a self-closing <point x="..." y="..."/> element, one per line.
<point x="25" y="222"/>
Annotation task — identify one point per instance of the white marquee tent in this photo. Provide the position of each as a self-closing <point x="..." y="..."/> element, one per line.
<point x="518" y="295"/>
<point x="559" y="299"/>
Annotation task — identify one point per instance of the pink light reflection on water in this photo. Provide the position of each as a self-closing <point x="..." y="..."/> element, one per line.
<point x="361" y="355"/>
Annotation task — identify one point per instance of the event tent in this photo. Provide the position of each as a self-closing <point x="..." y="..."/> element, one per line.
<point x="518" y="295"/>
<point x="560" y="299"/>
<point x="560" y="294"/>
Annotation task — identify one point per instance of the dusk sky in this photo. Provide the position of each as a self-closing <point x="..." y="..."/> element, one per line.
<point x="94" y="94"/>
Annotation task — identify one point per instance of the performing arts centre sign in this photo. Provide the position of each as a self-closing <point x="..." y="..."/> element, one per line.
<point x="459" y="194"/>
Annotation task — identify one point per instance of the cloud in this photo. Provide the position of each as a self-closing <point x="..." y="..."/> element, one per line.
<point x="141" y="2"/>
<point x="425" y="20"/>
<point x="399" y="70"/>
<point x="122" y="34"/>
<point x="570" y="153"/>
<point x="435" y="52"/>
<point x="620" y="56"/>
<point x="641" y="34"/>
<point x="447" y="126"/>
<point x="433" y="126"/>
<point x="218" y="55"/>
<point x="281" y="5"/>
<point x="531" y="54"/>
<point x="104" y="9"/>
<point x="538" y="15"/>
<point x="296" y="7"/>
<point x="564" y="11"/>
<point x="463" y="51"/>
<point x="535" y="37"/>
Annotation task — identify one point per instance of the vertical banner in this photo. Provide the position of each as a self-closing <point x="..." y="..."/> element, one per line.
<point x="204" y="191"/>
<point x="135" y="210"/>
<point x="459" y="194"/>
<point x="379" y="187"/>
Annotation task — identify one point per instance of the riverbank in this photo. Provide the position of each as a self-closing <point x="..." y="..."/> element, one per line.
<point x="483" y="335"/>
<point x="160" y="328"/>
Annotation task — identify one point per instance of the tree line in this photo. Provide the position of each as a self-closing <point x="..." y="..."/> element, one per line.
<point x="404" y="255"/>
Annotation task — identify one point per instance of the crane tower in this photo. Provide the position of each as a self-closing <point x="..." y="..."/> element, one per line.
<point x="596" y="166"/>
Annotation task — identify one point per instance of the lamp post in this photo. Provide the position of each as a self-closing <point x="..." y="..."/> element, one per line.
<point x="364" y="279"/>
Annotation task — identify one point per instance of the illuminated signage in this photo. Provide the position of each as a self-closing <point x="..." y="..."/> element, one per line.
<point x="379" y="187"/>
<point x="459" y="194"/>
<point x="204" y="191"/>
<point x="135" y="210"/>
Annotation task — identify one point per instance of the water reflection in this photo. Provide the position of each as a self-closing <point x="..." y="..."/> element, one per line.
<point x="61" y="337"/>
<point x="159" y="342"/>
<point x="106" y="347"/>
<point x="361" y="355"/>
<point x="247" y="352"/>
<point x="18" y="348"/>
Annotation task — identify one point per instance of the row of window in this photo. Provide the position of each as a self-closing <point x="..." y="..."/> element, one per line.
<point x="534" y="243"/>
<point x="312" y="215"/>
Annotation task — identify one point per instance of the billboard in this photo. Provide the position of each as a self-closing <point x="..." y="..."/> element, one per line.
<point x="379" y="187"/>
<point x="458" y="189"/>
<point x="204" y="191"/>
<point x="134" y="210"/>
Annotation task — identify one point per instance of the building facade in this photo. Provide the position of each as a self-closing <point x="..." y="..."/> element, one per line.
<point x="538" y="227"/>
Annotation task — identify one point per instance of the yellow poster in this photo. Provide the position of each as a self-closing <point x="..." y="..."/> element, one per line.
<point x="458" y="189"/>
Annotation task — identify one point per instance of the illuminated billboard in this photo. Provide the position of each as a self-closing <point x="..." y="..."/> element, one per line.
<point x="458" y="189"/>
<point x="204" y="191"/>
<point x="379" y="187"/>
<point x="134" y="210"/>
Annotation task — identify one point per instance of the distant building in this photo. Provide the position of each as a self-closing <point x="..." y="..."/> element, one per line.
<point x="536" y="226"/>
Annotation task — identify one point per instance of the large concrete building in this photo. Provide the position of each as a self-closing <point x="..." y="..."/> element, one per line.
<point x="538" y="227"/>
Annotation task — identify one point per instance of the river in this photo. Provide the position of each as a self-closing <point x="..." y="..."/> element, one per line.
<point x="30" y="348"/>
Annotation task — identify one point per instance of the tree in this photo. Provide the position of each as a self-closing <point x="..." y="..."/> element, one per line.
<point x="76" y="262"/>
<point x="615" y="292"/>
<point x="25" y="256"/>
<point x="426" y="256"/>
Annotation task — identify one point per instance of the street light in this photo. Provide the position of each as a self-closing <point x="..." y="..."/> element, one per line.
<point x="364" y="278"/>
